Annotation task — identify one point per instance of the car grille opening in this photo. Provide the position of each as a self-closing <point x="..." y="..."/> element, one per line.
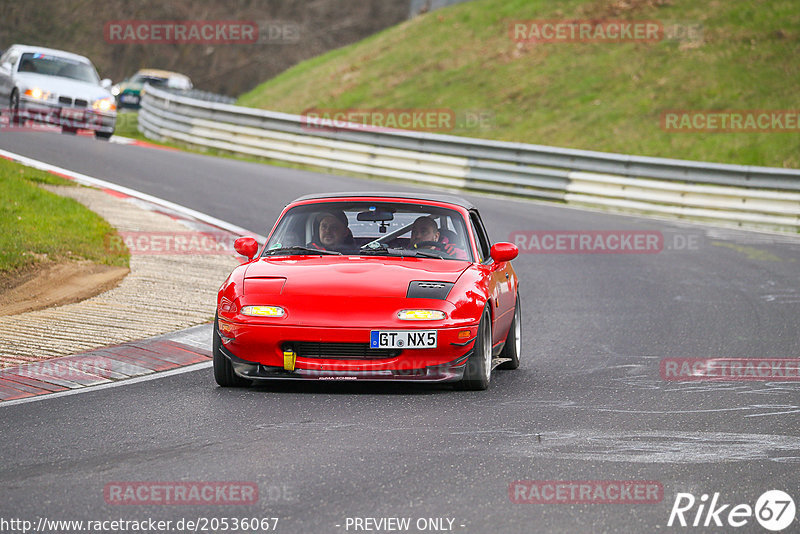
<point x="342" y="351"/>
<point x="81" y="103"/>
<point x="65" y="100"/>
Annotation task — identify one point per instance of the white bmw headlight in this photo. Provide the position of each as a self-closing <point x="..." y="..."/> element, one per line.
<point x="38" y="94"/>
<point x="104" y="104"/>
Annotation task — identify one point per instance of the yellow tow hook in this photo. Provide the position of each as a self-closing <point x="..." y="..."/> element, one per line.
<point x="289" y="358"/>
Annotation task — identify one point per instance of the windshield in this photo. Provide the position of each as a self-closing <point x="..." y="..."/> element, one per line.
<point x="372" y="228"/>
<point x="152" y="80"/>
<point x="58" y="66"/>
<point x="176" y="82"/>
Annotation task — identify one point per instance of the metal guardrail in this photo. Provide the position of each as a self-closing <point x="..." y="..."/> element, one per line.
<point x="198" y="94"/>
<point x="743" y="195"/>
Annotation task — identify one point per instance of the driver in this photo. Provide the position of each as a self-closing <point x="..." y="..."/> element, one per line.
<point x="425" y="229"/>
<point x="334" y="233"/>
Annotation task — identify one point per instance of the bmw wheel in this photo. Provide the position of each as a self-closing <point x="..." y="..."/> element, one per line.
<point x="15" y="119"/>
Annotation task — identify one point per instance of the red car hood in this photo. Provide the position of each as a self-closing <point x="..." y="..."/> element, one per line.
<point x="346" y="275"/>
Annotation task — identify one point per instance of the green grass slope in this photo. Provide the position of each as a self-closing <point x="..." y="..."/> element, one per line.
<point x="36" y="223"/>
<point x="598" y="96"/>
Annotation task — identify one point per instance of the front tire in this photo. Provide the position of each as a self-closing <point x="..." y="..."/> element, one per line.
<point x="513" y="344"/>
<point x="478" y="370"/>
<point x="14" y="119"/>
<point x="103" y="135"/>
<point x="223" y="369"/>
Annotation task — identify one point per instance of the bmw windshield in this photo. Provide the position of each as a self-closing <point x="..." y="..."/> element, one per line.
<point x="51" y="65"/>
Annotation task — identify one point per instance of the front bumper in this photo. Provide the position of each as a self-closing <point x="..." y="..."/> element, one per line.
<point x="256" y="352"/>
<point x="69" y="117"/>
<point x="448" y="372"/>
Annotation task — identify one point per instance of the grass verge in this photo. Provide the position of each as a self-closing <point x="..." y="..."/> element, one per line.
<point x="36" y="224"/>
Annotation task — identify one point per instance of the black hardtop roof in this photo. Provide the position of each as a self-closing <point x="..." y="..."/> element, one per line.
<point x="449" y="199"/>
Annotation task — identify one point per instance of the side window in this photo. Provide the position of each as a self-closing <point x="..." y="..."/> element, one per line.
<point x="480" y="235"/>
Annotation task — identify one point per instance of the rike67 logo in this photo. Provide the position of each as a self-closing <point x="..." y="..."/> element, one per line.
<point x="774" y="511"/>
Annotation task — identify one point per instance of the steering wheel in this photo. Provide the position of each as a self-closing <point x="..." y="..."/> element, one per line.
<point x="435" y="244"/>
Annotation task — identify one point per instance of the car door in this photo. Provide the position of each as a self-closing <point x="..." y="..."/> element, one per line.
<point x="501" y="282"/>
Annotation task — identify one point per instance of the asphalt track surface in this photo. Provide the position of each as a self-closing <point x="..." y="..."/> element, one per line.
<point x="587" y="403"/>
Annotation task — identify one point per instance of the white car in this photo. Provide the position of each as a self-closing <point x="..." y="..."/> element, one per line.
<point x="55" y="87"/>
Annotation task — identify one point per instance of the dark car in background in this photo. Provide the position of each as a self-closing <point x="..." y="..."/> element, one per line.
<point x="129" y="91"/>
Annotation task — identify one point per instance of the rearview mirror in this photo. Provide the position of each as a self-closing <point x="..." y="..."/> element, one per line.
<point x="246" y="246"/>
<point x="375" y="215"/>
<point x="501" y="252"/>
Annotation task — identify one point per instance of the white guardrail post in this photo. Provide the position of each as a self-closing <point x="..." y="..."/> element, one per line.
<point x="732" y="194"/>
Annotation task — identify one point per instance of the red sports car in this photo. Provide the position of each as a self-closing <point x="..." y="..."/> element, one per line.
<point x="354" y="286"/>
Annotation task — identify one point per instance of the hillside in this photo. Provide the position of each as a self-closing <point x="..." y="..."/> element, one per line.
<point x="314" y="27"/>
<point x="590" y="95"/>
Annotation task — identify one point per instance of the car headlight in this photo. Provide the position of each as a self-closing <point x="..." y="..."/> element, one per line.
<point x="421" y="315"/>
<point x="263" y="311"/>
<point x="38" y="94"/>
<point x="115" y="90"/>
<point x="104" y="104"/>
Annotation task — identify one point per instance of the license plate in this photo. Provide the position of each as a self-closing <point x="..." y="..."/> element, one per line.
<point x="74" y="114"/>
<point x="129" y="98"/>
<point x="402" y="339"/>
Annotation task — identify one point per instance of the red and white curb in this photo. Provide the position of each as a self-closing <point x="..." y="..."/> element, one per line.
<point x="107" y="365"/>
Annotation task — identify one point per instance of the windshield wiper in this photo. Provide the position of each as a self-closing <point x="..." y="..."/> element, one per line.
<point x="427" y="254"/>
<point x="399" y="252"/>
<point x="312" y="250"/>
<point x="375" y="249"/>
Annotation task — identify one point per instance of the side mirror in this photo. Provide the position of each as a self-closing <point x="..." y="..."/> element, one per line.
<point x="246" y="246"/>
<point x="501" y="252"/>
<point x="105" y="83"/>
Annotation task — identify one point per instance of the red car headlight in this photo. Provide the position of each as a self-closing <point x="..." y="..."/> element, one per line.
<point x="421" y="315"/>
<point x="263" y="311"/>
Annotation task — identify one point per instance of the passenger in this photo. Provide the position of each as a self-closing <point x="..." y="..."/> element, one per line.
<point x="334" y="232"/>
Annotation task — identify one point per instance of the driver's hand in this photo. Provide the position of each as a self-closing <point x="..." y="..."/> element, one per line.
<point x="450" y="249"/>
